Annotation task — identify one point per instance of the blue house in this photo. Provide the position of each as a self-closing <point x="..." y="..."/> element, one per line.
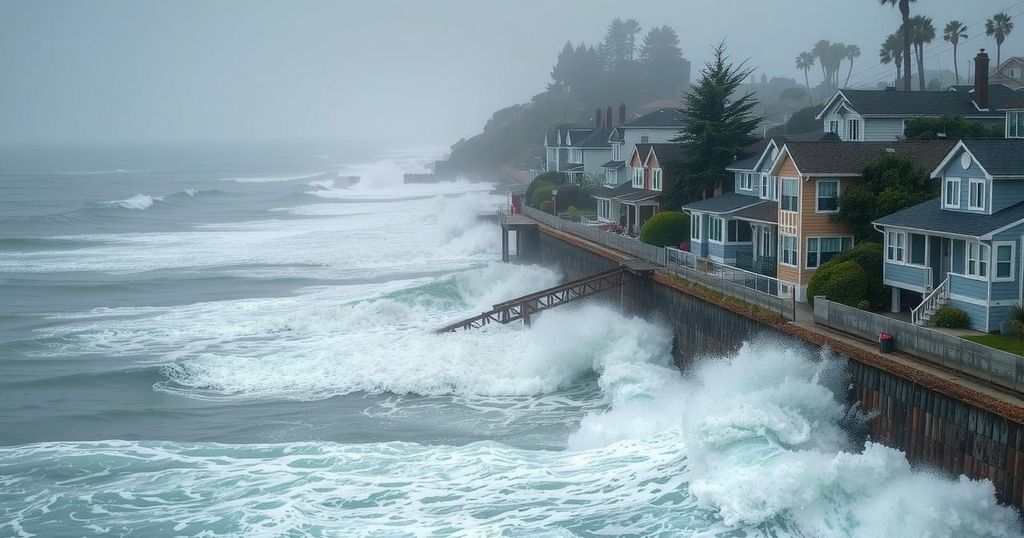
<point x="963" y="248"/>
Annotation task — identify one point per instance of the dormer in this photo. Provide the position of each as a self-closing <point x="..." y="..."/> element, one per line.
<point x="982" y="176"/>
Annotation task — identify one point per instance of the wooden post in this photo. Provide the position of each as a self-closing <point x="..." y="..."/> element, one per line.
<point x="504" y="244"/>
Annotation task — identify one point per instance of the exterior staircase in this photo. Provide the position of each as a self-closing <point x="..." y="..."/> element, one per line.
<point x="935" y="300"/>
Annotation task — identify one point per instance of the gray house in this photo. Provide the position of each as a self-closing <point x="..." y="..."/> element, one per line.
<point x="881" y="115"/>
<point x="657" y="127"/>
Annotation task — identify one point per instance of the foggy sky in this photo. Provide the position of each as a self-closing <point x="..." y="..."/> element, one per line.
<point x="408" y="72"/>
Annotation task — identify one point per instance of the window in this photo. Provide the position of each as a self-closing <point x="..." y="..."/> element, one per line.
<point x="638" y="178"/>
<point x="976" y="194"/>
<point x="746" y="181"/>
<point x="1015" y="124"/>
<point x="645" y="139"/>
<point x="604" y="209"/>
<point x="828" y="196"/>
<point x="766" y="243"/>
<point x="951" y="198"/>
<point x="739" y="232"/>
<point x="695" y="222"/>
<point x="821" y="249"/>
<point x="616" y="152"/>
<point x="609" y="176"/>
<point x="853" y="129"/>
<point x="789" y="195"/>
<point x="917" y="249"/>
<point x="896" y="247"/>
<point x="764" y="186"/>
<point x="715" y="229"/>
<point x="977" y="260"/>
<point x="789" y="250"/>
<point x="1004" y="261"/>
<point x="656" y="179"/>
<point x="833" y="126"/>
<point x="576" y="155"/>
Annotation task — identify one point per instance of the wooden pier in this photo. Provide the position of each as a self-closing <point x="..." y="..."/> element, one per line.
<point x="524" y="307"/>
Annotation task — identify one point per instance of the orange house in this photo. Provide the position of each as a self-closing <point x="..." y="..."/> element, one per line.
<point x="811" y="176"/>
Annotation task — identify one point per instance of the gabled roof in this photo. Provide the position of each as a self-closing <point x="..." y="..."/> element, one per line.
<point x="958" y="100"/>
<point x="662" y="118"/>
<point x="752" y="156"/>
<point x="576" y="137"/>
<point x="641" y="150"/>
<point x="998" y="157"/>
<point x="666" y="152"/>
<point x="638" y="195"/>
<point x="614" y="164"/>
<point x="607" y="193"/>
<point x="724" y="204"/>
<point x="596" y="139"/>
<point x="930" y="217"/>
<point x="848" y="159"/>
<point x="766" y="212"/>
<point x="1019" y="60"/>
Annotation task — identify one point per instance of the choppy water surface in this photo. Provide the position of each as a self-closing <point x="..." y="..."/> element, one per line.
<point x="236" y="342"/>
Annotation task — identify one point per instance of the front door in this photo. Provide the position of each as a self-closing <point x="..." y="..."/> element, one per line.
<point x="941" y="258"/>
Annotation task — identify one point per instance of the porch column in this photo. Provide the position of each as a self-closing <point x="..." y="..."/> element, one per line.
<point x="895" y="300"/>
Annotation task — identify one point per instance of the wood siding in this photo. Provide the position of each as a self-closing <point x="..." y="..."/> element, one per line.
<point x="814" y="224"/>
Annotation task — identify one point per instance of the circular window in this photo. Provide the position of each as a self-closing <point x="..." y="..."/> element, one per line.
<point x="965" y="160"/>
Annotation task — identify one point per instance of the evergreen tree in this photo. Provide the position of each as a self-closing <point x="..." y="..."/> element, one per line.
<point x="662" y="62"/>
<point x="717" y="125"/>
<point x="562" y="72"/>
<point x="619" y="43"/>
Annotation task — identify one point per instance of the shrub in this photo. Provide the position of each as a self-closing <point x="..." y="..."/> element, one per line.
<point x="949" y="317"/>
<point x="864" y="304"/>
<point x="545" y="206"/>
<point x="541" y="194"/>
<point x="843" y="282"/>
<point x="666" y="229"/>
<point x="1016" y="322"/>
<point x="547" y="179"/>
<point x="868" y="256"/>
<point x="572" y="210"/>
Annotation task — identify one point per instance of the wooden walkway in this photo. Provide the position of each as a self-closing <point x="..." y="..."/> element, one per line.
<point x="527" y="305"/>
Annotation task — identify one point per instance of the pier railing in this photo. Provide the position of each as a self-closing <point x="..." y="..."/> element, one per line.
<point x="998" y="367"/>
<point x="764" y="291"/>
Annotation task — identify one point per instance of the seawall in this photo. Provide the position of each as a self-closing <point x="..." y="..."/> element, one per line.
<point x="936" y="423"/>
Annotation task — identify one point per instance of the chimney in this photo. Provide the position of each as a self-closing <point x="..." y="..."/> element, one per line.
<point x="608" y="117"/>
<point x="981" y="80"/>
<point x="622" y="113"/>
<point x="597" y="118"/>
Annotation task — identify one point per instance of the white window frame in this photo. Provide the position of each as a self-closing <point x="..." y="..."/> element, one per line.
<point x="979" y="254"/>
<point x="782" y="251"/>
<point x="746" y="181"/>
<point x="946" y="203"/>
<point x="995" y="261"/>
<point x="656" y="179"/>
<point x="766" y="192"/>
<point x="782" y="195"/>
<point x="853" y="129"/>
<point x="817" y="197"/>
<point x="638" y="178"/>
<point x="716" y="223"/>
<point x="616" y="152"/>
<point x="833" y="127"/>
<point x="695" y="226"/>
<point x="766" y="243"/>
<point x="896" y="247"/>
<point x="1015" y="124"/>
<point x="981" y="195"/>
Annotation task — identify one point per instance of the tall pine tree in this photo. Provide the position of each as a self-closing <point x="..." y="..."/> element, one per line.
<point x="665" y="70"/>
<point x="717" y="125"/>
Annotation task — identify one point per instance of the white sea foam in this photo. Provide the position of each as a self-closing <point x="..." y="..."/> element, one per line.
<point x="273" y="179"/>
<point x="138" y="201"/>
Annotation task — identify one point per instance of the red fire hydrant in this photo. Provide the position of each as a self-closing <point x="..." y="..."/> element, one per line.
<point x="885" y="342"/>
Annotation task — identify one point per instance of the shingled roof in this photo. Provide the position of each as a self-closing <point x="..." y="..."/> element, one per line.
<point x="665" y="117"/>
<point x="597" y="139"/>
<point x="930" y="217"/>
<point x="726" y="203"/>
<point x="850" y="158"/>
<point x="999" y="156"/>
<point x="958" y="101"/>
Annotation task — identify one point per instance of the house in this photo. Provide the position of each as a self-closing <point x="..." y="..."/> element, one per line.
<point x="630" y="204"/>
<point x="562" y="153"/>
<point x="963" y="248"/>
<point x="881" y="115"/>
<point x="1010" y="73"/>
<point x="595" y="149"/>
<point x="791" y="218"/>
<point x="657" y="127"/>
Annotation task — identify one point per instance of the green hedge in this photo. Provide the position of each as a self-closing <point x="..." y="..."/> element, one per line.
<point x="866" y="255"/>
<point x="949" y="317"/>
<point x="667" y="229"/>
<point x="843" y="282"/>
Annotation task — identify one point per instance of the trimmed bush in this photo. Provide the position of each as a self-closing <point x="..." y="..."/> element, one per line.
<point x="667" y="229"/>
<point x="844" y="282"/>
<point x="868" y="256"/>
<point x="541" y="194"/>
<point x="949" y="317"/>
<point x="547" y="179"/>
<point x="545" y="206"/>
<point x="572" y="210"/>
<point x="864" y="304"/>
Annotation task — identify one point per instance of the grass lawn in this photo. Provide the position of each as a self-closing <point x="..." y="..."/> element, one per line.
<point x="1010" y="344"/>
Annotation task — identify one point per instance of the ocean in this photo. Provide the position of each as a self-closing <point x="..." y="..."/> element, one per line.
<point x="237" y="340"/>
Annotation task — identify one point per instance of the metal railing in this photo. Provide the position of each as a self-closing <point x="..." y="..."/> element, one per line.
<point x="764" y="291"/>
<point x="938" y="297"/>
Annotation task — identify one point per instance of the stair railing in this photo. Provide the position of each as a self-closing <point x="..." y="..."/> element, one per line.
<point x="930" y="303"/>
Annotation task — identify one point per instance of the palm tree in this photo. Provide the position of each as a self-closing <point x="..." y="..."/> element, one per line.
<point x="999" y="26"/>
<point x="804" y="62"/>
<point x="820" y="51"/>
<point x="892" y="52"/>
<point x="852" y="52"/>
<point x="904" y="6"/>
<point x="954" y="32"/>
<point x="922" y="32"/>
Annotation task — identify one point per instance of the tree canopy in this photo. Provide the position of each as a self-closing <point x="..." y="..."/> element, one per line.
<point x="718" y="123"/>
<point x="950" y="127"/>
<point x="890" y="183"/>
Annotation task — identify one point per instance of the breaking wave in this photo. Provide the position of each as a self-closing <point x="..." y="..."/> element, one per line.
<point x="138" y="201"/>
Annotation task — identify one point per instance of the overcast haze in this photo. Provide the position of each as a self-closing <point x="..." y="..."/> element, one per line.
<point x="425" y="72"/>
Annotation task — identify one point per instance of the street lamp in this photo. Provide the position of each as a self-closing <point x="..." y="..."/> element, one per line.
<point x="554" y="201"/>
